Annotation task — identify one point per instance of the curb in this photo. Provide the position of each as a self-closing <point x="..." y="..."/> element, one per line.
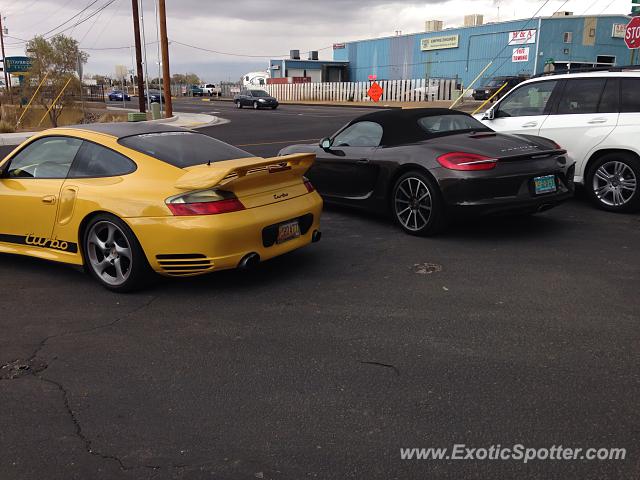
<point x="212" y="123"/>
<point x="13" y="139"/>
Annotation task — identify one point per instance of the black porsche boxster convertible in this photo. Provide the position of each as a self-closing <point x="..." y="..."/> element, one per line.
<point x="425" y="165"/>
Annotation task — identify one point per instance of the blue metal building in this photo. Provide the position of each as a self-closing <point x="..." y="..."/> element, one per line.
<point x="518" y="47"/>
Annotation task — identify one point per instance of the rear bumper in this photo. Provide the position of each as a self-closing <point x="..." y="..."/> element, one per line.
<point x="185" y="246"/>
<point x="512" y="206"/>
<point x="510" y="192"/>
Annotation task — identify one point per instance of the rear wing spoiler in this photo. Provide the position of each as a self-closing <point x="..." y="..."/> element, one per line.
<point x="205" y="176"/>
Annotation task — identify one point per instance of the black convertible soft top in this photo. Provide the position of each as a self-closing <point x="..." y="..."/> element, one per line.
<point x="400" y="126"/>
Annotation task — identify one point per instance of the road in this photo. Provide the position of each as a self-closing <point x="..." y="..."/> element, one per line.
<point x="326" y="362"/>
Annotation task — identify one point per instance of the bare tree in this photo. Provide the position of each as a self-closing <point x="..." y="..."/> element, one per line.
<point x="59" y="59"/>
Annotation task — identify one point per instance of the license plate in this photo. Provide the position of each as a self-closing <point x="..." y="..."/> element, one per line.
<point x="546" y="184"/>
<point x="288" y="231"/>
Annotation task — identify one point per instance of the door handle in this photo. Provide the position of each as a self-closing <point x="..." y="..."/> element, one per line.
<point x="530" y="125"/>
<point x="49" y="199"/>
<point x="597" y="120"/>
<point x="362" y="161"/>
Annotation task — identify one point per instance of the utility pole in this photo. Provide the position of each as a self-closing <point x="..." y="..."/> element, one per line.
<point x="159" y="77"/>
<point x="144" y="55"/>
<point x="164" y="43"/>
<point x="7" y="78"/>
<point x="136" y="34"/>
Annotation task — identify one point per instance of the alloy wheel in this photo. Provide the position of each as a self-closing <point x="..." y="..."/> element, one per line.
<point x="109" y="253"/>
<point x="614" y="183"/>
<point x="413" y="204"/>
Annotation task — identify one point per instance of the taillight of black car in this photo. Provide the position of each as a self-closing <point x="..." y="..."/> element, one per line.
<point x="464" y="161"/>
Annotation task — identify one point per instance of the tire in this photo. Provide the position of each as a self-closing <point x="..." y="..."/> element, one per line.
<point x="274" y="107"/>
<point x="612" y="182"/>
<point x="416" y="204"/>
<point x="113" y="255"/>
<point x="238" y="104"/>
<point x="256" y="106"/>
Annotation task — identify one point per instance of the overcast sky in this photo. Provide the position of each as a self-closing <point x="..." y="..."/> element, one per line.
<point x="268" y="28"/>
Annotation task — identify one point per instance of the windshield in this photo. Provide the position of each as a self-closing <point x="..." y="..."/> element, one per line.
<point x="451" y="124"/>
<point x="183" y="149"/>
<point x="496" y="82"/>
<point x="259" y="93"/>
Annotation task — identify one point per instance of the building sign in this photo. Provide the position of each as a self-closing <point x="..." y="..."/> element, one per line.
<point x="438" y="43"/>
<point x="520" y="54"/>
<point x="339" y="46"/>
<point x="18" y="64"/>
<point x="618" y="30"/>
<point x="522" y="37"/>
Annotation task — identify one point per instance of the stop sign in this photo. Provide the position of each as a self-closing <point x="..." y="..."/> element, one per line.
<point x="632" y="33"/>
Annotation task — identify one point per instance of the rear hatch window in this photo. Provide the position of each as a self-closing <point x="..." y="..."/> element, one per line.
<point x="441" y="125"/>
<point x="183" y="149"/>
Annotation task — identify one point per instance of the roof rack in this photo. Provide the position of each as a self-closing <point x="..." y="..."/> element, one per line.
<point x="589" y="69"/>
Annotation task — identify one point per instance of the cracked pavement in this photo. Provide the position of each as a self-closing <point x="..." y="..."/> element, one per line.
<point x="324" y="363"/>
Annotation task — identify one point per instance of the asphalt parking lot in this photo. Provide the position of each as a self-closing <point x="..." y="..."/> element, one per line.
<point x="326" y="362"/>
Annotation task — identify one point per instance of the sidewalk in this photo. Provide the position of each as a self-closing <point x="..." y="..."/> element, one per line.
<point x="182" y="119"/>
<point x="185" y="120"/>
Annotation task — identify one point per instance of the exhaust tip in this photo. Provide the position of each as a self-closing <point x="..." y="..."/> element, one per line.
<point x="316" y="236"/>
<point x="249" y="261"/>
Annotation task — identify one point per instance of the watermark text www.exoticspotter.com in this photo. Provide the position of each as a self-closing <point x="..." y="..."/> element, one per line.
<point x="518" y="452"/>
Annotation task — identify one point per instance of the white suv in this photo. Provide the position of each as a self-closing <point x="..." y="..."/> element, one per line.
<point x="595" y="116"/>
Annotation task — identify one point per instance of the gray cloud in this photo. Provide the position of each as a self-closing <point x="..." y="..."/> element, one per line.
<point x="251" y="27"/>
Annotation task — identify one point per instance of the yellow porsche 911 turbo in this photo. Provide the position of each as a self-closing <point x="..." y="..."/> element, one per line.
<point x="124" y="199"/>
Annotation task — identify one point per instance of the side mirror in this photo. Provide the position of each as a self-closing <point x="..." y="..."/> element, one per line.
<point x="325" y="143"/>
<point x="489" y="114"/>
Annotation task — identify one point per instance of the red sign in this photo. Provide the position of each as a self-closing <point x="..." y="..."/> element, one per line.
<point x="375" y="92"/>
<point x="632" y="33"/>
<point x="373" y="77"/>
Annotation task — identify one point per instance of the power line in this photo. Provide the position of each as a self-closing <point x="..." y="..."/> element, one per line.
<point x="71" y="18"/>
<point x="605" y="8"/>
<point x="107" y="23"/>
<point x="238" y="54"/>
<point x="84" y="19"/>
<point x="538" y="39"/>
<point x="115" y="48"/>
<point x="92" y="25"/>
<point x="590" y="6"/>
<point x="60" y="9"/>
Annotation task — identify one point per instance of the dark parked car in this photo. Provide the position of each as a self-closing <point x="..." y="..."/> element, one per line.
<point x="256" y="99"/>
<point x="492" y="86"/>
<point x="195" y="91"/>
<point x="117" y="95"/>
<point x="424" y="165"/>
<point x="154" y="96"/>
